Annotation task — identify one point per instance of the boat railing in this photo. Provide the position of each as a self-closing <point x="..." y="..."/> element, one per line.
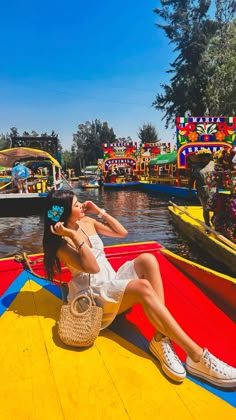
<point x="169" y="180"/>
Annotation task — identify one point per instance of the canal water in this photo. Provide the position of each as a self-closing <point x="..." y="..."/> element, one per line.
<point x="145" y="216"/>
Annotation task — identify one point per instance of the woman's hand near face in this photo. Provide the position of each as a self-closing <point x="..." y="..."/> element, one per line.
<point x="60" y="230"/>
<point x="90" y="207"/>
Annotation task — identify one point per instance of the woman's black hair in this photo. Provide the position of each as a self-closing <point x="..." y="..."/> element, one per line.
<point x="51" y="242"/>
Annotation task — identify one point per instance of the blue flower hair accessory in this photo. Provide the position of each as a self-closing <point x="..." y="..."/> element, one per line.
<point x="55" y="213"/>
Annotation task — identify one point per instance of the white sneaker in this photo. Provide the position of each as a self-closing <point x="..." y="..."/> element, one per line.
<point x="212" y="370"/>
<point x="168" y="359"/>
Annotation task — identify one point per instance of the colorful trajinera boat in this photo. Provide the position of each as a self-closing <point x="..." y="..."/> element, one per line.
<point x="189" y="221"/>
<point x="119" y="165"/>
<point x="163" y="178"/>
<point x="169" y="173"/>
<point x="117" y="377"/>
<point x="45" y="173"/>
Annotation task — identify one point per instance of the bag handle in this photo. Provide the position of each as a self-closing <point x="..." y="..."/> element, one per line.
<point x="84" y="299"/>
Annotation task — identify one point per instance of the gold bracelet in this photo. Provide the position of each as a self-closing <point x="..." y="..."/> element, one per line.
<point x="80" y="246"/>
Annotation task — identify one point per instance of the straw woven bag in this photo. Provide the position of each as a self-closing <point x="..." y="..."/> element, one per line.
<point x="80" y="321"/>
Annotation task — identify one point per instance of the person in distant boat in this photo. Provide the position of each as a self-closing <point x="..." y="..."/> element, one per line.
<point x="20" y="174"/>
<point x="200" y="170"/>
<point x="72" y="238"/>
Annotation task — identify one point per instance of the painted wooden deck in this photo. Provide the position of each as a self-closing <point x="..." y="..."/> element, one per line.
<point x="117" y="378"/>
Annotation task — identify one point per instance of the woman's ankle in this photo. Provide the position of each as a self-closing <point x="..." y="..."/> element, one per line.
<point x="196" y="355"/>
<point x="158" y="336"/>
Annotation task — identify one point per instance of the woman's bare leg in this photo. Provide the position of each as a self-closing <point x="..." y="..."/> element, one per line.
<point x="147" y="267"/>
<point x="141" y="291"/>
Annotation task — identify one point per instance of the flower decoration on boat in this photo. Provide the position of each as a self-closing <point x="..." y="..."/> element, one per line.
<point x="55" y="213"/>
<point x="220" y="135"/>
<point x="206" y="129"/>
<point x="193" y="136"/>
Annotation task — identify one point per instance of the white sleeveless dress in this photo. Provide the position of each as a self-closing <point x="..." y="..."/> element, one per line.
<point x="108" y="286"/>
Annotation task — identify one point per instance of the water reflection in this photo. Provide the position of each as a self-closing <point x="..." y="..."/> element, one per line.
<point x="145" y="216"/>
<point x="20" y="234"/>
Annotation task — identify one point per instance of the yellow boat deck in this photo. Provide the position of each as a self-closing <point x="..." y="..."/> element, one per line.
<point x="43" y="379"/>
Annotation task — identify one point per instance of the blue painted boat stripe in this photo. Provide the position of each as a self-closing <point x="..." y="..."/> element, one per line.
<point x="12" y="291"/>
<point x="15" y="287"/>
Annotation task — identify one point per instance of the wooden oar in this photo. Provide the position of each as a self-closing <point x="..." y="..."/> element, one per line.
<point x="217" y="234"/>
<point x="64" y="179"/>
<point x="4" y="186"/>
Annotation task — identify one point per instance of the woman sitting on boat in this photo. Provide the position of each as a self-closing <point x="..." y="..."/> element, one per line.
<point x="72" y="238"/>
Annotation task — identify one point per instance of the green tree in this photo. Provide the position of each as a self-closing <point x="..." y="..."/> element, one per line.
<point x="189" y="29"/>
<point x="220" y="62"/>
<point x="107" y="134"/>
<point x="127" y="139"/>
<point x="88" y="141"/>
<point x="53" y="134"/>
<point x="67" y="159"/>
<point x="148" y="134"/>
<point x="5" y="141"/>
<point x="34" y="133"/>
<point x="13" y="132"/>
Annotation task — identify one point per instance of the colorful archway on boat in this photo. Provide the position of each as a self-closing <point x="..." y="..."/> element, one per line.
<point x="119" y="155"/>
<point x="196" y="133"/>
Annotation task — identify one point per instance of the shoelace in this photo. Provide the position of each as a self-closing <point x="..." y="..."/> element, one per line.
<point x="169" y="351"/>
<point x="216" y="365"/>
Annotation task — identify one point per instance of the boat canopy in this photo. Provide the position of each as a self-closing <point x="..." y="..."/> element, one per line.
<point x="90" y="170"/>
<point x="164" y="159"/>
<point x="9" y="156"/>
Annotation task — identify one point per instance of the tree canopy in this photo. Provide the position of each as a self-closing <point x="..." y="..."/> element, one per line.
<point x="148" y="134"/>
<point x="198" y="42"/>
<point x="219" y="59"/>
<point x="5" y="141"/>
<point x="88" y="141"/>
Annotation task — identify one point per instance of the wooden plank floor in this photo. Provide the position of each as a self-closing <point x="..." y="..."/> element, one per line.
<point x="43" y="379"/>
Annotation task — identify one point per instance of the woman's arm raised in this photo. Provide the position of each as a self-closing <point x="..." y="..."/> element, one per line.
<point x="112" y="228"/>
<point x="78" y="254"/>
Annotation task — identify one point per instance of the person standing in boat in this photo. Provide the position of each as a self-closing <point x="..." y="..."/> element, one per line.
<point x="200" y="170"/>
<point x="72" y="238"/>
<point x="20" y="174"/>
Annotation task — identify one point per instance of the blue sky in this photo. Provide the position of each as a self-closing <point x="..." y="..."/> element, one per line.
<point x="67" y="62"/>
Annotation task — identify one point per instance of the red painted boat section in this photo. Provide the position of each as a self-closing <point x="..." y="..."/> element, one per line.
<point x="9" y="271"/>
<point x="223" y="290"/>
<point x="202" y="319"/>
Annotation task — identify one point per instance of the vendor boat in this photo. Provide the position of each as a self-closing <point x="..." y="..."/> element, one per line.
<point x="117" y="377"/>
<point x="45" y="175"/>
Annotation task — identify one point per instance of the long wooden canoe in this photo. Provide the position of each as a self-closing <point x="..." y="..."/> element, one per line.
<point x="117" y="378"/>
<point x="192" y="227"/>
